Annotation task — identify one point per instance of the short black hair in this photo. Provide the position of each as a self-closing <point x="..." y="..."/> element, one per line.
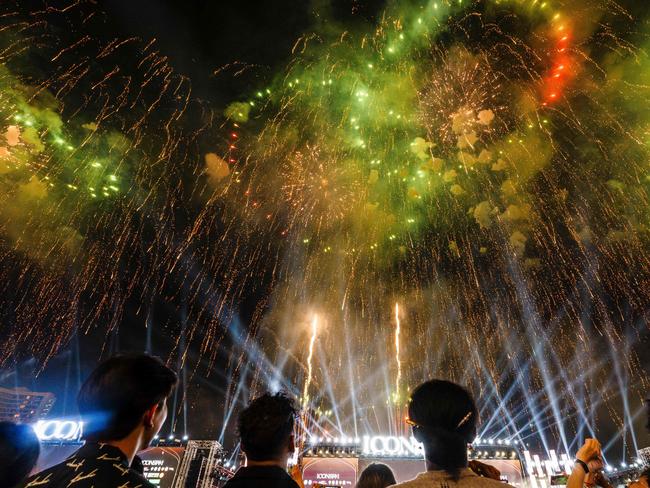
<point x="444" y="416"/>
<point x="376" y="475"/>
<point x="19" y="449"/>
<point x="266" y="425"/>
<point x="119" y="391"/>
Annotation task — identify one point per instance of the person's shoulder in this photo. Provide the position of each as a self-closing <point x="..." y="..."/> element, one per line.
<point x="139" y="481"/>
<point x="232" y="483"/>
<point x="45" y="478"/>
<point x="239" y="483"/>
<point x="121" y="474"/>
<point x="67" y="472"/>
<point x="488" y="482"/>
<point x="493" y="482"/>
<point x="245" y="483"/>
<point x="406" y="484"/>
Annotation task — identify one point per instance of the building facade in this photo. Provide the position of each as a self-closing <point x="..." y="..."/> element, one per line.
<point x="24" y="406"/>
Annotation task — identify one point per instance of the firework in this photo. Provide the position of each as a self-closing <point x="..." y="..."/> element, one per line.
<point x="312" y="340"/>
<point x="442" y="158"/>
<point x="398" y="361"/>
<point x="486" y="162"/>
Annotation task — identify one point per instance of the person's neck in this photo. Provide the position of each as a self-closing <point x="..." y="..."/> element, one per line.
<point x="432" y="466"/>
<point x="130" y="445"/>
<point x="280" y="463"/>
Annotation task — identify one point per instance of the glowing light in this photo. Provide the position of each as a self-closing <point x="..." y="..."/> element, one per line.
<point x="312" y="340"/>
<point x="58" y="430"/>
<point x="391" y="446"/>
<point x="346" y="213"/>
<point x="398" y="361"/>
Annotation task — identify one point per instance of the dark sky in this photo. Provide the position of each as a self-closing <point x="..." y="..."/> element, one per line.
<point x="200" y="37"/>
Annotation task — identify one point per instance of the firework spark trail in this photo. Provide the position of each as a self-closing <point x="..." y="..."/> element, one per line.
<point x="312" y="340"/>
<point x="478" y="153"/>
<point x="415" y="157"/>
<point x="88" y="174"/>
<point x="398" y="360"/>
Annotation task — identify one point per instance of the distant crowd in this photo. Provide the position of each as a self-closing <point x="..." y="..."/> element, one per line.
<point x="123" y="405"/>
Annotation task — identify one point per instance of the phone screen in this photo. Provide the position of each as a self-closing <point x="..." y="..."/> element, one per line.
<point x="559" y="480"/>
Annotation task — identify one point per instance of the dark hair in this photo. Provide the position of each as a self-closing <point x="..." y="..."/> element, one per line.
<point x="444" y="417"/>
<point x="266" y="425"/>
<point x="119" y="391"/>
<point x="19" y="451"/>
<point x="376" y="475"/>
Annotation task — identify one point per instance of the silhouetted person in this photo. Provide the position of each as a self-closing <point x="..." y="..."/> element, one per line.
<point x="266" y="434"/>
<point x="19" y="449"/>
<point x="123" y="405"/>
<point x="376" y="475"/>
<point x="443" y="416"/>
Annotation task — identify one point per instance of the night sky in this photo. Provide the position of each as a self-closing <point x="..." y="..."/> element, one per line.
<point x="200" y="38"/>
<point x="227" y="50"/>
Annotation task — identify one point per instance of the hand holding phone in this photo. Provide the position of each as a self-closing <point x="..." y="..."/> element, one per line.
<point x="590" y="451"/>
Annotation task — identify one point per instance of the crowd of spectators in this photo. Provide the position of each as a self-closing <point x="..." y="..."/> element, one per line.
<point x="123" y="405"/>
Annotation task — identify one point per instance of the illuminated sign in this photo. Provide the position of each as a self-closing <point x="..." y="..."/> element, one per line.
<point x="58" y="430"/>
<point x="329" y="472"/>
<point x="381" y="445"/>
<point x="160" y="465"/>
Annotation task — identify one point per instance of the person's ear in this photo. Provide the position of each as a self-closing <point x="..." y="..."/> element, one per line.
<point x="149" y="415"/>
<point x="292" y="444"/>
<point x="417" y="434"/>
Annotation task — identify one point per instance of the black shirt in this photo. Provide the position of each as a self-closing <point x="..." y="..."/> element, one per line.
<point x="94" y="465"/>
<point x="261" y="477"/>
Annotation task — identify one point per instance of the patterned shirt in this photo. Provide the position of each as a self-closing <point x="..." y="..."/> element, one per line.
<point x="441" y="479"/>
<point x="92" y="466"/>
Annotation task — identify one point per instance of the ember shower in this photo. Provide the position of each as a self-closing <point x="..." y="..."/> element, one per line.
<point x="459" y="189"/>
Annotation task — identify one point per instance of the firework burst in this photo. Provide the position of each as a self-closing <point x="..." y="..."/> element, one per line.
<point x="484" y="164"/>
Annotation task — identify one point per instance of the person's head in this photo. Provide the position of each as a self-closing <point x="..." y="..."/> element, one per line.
<point x="376" y="475"/>
<point x="19" y="451"/>
<point x="125" y="394"/>
<point x="266" y="428"/>
<point x="443" y="416"/>
<point x="643" y="481"/>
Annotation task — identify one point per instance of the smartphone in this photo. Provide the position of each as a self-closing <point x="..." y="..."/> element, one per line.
<point x="559" y="480"/>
